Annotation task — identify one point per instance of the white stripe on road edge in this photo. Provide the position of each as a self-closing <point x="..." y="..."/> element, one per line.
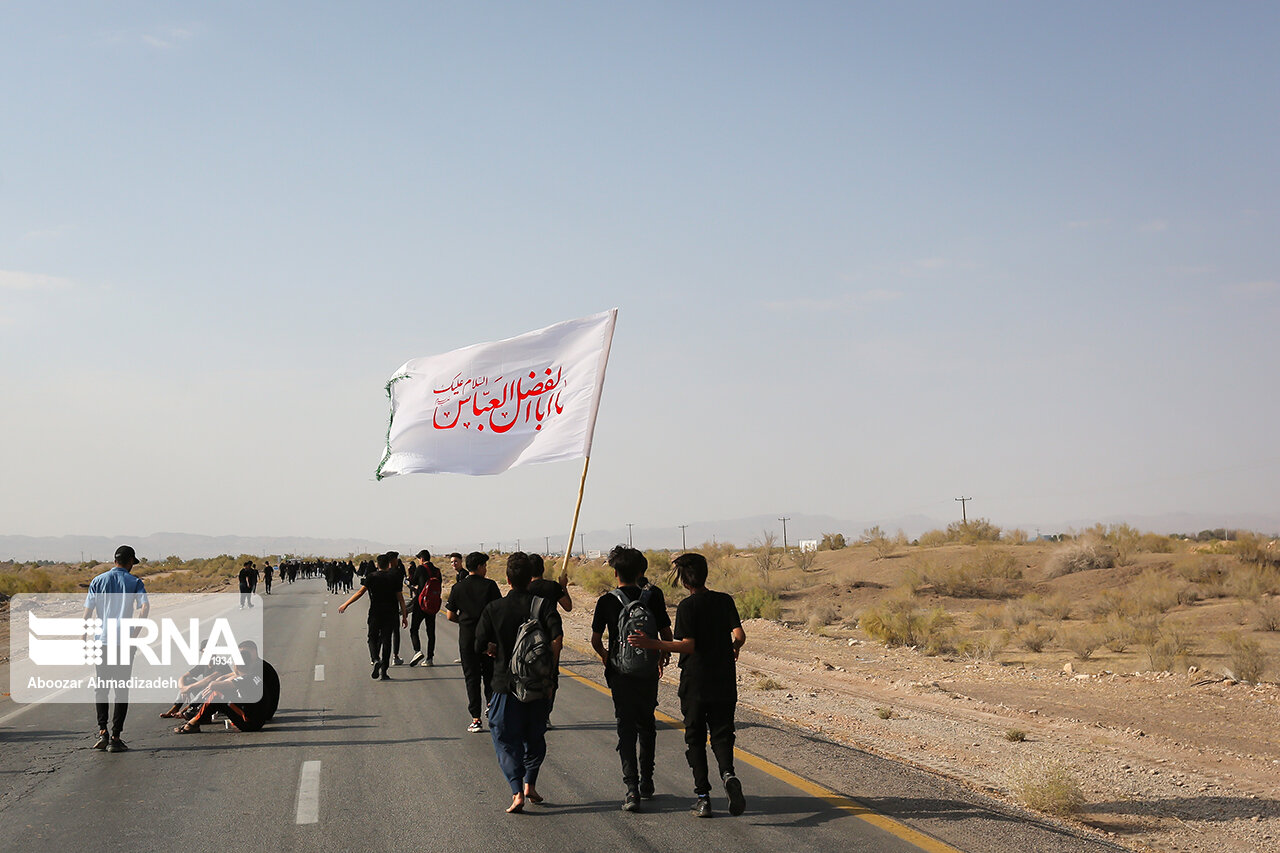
<point x="322" y="635"/>
<point x="319" y="672"/>
<point x="322" y="615"/>
<point x="309" y="792"/>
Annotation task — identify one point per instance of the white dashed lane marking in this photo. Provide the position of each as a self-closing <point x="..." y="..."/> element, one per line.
<point x="309" y="792"/>
<point x="319" y="672"/>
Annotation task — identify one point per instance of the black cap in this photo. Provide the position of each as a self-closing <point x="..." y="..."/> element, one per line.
<point x="124" y="554"/>
<point x="424" y="554"/>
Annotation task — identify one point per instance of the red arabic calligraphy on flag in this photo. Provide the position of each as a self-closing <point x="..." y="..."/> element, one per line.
<point x="489" y="407"/>
<point x="463" y="404"/>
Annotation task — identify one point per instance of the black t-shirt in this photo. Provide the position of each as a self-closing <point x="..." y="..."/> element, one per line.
<point x="246" y="581"/>
<point x="609" y="609"/>
<point x="708" y="618"/>
<point x="468" y="599"/>
<point x="382" y="588"/>
<point x="546" y="589"/>
<point x="500" y="622"/>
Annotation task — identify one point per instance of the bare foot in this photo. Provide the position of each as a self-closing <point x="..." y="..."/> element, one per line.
<point x="517" y="804"/>
<point x="531" y="794"/>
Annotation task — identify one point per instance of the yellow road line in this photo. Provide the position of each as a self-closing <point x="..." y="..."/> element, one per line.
<point x="845" y="804"/>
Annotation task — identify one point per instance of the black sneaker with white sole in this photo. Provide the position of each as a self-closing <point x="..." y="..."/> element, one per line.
<point x="418" y="658"/>
<point x="701" y="807"/>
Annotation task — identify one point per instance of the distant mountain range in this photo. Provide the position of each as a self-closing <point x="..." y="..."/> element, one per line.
<point x="740" y="531"/>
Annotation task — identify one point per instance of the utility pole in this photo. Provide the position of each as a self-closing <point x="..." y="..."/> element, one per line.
<point x="784" y="532"/>
<point x="546" y="546"/>
<point x="683" y="545"/>
<point x="582" y="545"/>
<point x="629" y="526"/>
<point x="964" y="515"/>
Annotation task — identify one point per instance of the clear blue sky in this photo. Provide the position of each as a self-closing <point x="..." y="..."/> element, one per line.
<point x="868" y="257"/>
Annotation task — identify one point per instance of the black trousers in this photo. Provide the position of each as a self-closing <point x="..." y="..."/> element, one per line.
<point x="703" y="717"/>
<point x="428" y="620"/>
<point x="634" y="701"/>
<point x="477" y="672"/>
<point x="102" y="695"/>
<point x="381" y="629"/>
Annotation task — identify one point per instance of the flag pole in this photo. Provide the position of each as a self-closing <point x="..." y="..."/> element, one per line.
<point x="573" y="531"/>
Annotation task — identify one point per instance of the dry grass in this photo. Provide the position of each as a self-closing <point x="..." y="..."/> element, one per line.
<point x="1081" y="555"/>
<point x="1047" y="786"/>
<point x="1083" y="641"/>
<point x="1245" y="656"/>
<point x="902" y="622"/>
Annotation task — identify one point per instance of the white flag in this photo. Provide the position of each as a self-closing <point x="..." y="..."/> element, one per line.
<point x="489" y="407"/>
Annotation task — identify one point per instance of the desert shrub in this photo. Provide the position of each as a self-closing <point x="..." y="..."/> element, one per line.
<point x="1255" y="549"/>
<point x="1153" y="592"/>
<point x="1021" y="612"/>
<point x="767" y="683"/>
<point x="759" y="603"/>
<point x="821" y="613"/>
<point x="1117" y="633"/>
<point x="1123" y="541"/>
<point x="832" y="542"/>
<point x="1017" y="537"/>
<point x="982" y="646"/>
<point x="883" y="545"/>
<point x="972" y="532"/>
<point x="988" y="616"/>
<point x="902" y="622"/>
<point x="1164" y="646"/>
<point x="1146" y="629"/>
<point x="1080" y="555"/>
<point x="803" y="559"/>
<point x="1083" y="641"/>
<point x="1110" y="603"/>
<point x="1015" y="735"/>
<point x="1057" y="607"/>
<point x="595" y="579"/>
<point x="767" y="555"/>
<point x="1247" y="660"/>
<point x="933" y="538"/>
<point x="989" y="574"/>
<point x="1047" y="786"/>
<point x="1267" y="615"/>
<point x="1250" y="583"/>
<point x="885" y="713"/>
<point x="1034" y="638"/>
<point x="913" y="577"/>
<point x="1154" y="543"/>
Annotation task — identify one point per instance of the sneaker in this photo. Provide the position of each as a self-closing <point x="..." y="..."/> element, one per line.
<point x="417" y="659"/>
<point x="475" y="726"/>
<point x="397" y="661"/>
<point x="385" y="677"/>
<point x="733" y="787"/>
<point x="377" y="670"/>
<point x="646" y="789"/>
<point x="103" y="740"/>
<point x="430" y="662"/>
<point x="116" y="745"/>
<point x="631" y="802"/>
<point x="702" y="807"/>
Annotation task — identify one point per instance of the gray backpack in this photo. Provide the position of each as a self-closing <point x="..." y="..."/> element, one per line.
<point x="532" y="659"/>
<point x="635" y="616"/>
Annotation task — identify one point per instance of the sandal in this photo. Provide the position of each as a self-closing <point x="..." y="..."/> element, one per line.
<point x="187" y="729"/>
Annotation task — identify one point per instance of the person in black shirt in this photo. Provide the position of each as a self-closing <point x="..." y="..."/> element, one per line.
<point x="459" y="569"/>
<point x="266" y="577"/>
<point x="425" y="574"/>
<point x="246" y="585"/>
<point x="397" y="569"/>
<point x="244" y="695"/>
<point x="552" y="591"/>
<point x="708" y="635"/>
<point x="467" y="601"/>
<point x="634" y="696"/>
<point x="517" y="727"/>
<point x="386" y="597"/>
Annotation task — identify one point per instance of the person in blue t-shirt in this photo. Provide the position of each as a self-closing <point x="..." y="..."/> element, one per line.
<point x="115" y="594"/>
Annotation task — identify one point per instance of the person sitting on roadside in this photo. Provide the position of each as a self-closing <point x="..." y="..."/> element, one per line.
<point x="227" y="695"/>
<point x="193" y="683"/>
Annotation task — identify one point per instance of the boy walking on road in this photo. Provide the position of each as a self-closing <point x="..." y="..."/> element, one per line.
<point x="632" y="675"/>
<point x="708" y="635"/>
<point x="386" y="601"/>
<point x="467" y="600"/>
<point x="518" y="727"/>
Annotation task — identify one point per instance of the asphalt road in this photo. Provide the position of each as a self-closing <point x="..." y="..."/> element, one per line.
<point x="350" y="764"/>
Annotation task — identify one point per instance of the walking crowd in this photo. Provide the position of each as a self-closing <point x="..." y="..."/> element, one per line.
<point x="509" y="648"/>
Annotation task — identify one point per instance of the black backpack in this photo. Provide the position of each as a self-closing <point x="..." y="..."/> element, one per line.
<point x="532" y="659"/>
<point x="635" y="616"/>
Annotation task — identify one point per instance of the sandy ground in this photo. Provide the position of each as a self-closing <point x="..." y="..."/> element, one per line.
<point x="1166" y="762"/>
